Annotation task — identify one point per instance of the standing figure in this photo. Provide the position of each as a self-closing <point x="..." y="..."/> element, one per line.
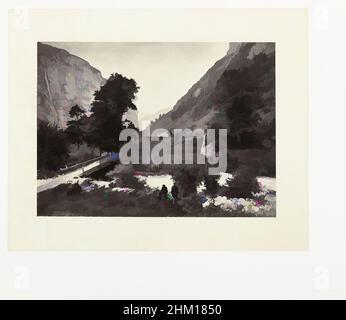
<point x="175" y="192"/>
<point x="163" y="193"/>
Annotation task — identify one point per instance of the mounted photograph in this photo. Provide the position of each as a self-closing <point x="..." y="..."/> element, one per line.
<point x="156" y="129"/>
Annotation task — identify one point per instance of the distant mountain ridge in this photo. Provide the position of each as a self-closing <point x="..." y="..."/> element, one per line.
<point x="63" y="80"/>
<point x="197" y="107"/>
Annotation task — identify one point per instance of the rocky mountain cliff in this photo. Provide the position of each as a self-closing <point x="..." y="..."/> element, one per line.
<point x="63" y="80"/>
<point x="200" y="104"/>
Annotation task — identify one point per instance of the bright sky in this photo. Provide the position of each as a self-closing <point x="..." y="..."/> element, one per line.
<point x="164" y="71"/>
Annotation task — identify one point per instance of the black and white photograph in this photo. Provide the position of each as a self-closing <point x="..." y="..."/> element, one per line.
<point x="156" y="129"/>
<point x="173" y="157"/>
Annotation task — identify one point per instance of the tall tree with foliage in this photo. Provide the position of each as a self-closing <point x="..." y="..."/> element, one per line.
<point x="111" y="102"/>
<point x="74" y="131"/>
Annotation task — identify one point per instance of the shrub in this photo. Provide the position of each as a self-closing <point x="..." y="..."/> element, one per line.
<point x="187" y="178"/>
<point x="244" y="183"/>
<point x="124" y="175"/>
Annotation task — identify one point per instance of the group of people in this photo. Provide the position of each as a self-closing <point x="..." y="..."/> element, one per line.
<point x="171" y="196"/>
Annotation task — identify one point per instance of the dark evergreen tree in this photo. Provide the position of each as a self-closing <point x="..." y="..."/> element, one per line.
<point x="111" y="102"/>
<point x="74" y="132"/>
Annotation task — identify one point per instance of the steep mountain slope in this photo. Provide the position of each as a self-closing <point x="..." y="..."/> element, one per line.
<point x="200" y="104"/>
<point x="245" y="100"/>
<point x="63" y="80"/>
